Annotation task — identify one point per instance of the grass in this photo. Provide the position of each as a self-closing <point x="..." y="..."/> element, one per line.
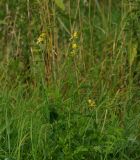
<point x="69" y="84"/>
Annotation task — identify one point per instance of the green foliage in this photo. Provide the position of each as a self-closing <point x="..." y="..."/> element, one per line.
<point x="133" y="31"/>
<point x="58" y="105"/>
<point x="60" y="4"/>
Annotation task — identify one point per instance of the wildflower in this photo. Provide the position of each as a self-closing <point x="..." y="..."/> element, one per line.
<point x="75" y="35"/>
<point x="43" y="35"/>
<point x="74" y="49"/>
<point x="91" y="103"/>
<point x="41" y="38"/>
<point x="74" y="46"/>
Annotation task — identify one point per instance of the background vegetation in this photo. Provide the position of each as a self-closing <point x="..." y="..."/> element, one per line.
<point x="69" y="80"/>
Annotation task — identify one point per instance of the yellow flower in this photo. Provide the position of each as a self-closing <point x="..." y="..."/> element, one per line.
<point x="91" y="103"/>
<point x="41" y="38"/>
<point x="43" y="34"/>
<point x="74" y="46"/>
<point x="75" y="34"/>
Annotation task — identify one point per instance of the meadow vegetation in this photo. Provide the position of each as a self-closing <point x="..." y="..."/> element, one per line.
<point x="69" y="80"/>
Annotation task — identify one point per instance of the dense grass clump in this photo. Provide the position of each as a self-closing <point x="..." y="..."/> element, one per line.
<point x="69" y="84"/>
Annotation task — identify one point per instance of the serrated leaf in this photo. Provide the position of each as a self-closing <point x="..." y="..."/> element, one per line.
<point x="60" y="4"/>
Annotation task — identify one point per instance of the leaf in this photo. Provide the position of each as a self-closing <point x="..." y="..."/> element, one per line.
<point x="97" y="149"/>
<point x="60" y="4"/>
<point x="63" y="25"/>
<point x="80" y="149"/>
<point x="133" y="52"/>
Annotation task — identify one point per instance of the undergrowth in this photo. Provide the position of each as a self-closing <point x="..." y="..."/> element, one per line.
<point x="69" y="84"/>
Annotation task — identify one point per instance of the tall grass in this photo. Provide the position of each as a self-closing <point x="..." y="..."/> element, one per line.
<point x="64" y="96"/>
